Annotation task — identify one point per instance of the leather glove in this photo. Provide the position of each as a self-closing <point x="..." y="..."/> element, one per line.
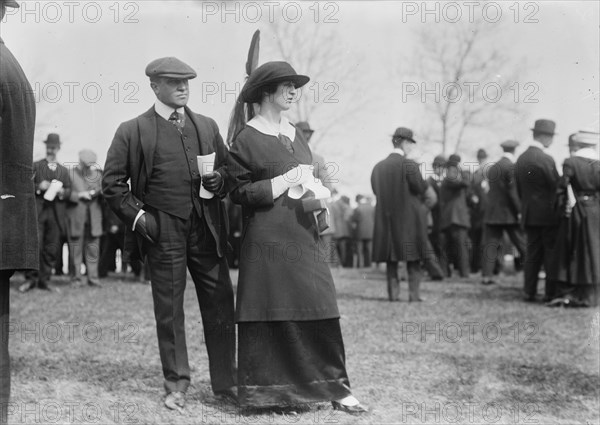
<point x="212" y="181"/>
<point x="147" y="227"/>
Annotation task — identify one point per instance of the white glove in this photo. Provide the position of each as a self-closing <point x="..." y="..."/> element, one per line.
<point x="294" y="177"/>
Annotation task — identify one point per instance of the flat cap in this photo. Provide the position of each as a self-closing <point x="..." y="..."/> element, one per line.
<point x="87" y="156"/>
<point x="453" y="160"/>
<point x="10" y="3"/>
<point x="404" y="133"/>
<point x="170" y="67"/>
<point x="439" y="160"/>
<point x="584" y="137"/>
<point x="509" y="144"/>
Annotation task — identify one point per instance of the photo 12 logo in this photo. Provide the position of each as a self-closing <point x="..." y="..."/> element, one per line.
<point x="470" y="11"/>
<point x="91" y="12"/>
<point x="290" y="12"/>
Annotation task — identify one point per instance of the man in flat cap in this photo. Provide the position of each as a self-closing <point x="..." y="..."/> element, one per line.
<point x="502" y="212"/>
<point x="52" y="189"/>
<point x="400" y="217"/>
<point x="173" y="226"/>
<point x="84" y="217"/>
<point x="537" y="180"/>
<point x="18" y="221"/>
<point x="454" y="217"/>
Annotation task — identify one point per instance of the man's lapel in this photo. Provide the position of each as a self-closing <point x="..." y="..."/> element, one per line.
<point x="203" y="132"/>
<point x="147" y="126"/>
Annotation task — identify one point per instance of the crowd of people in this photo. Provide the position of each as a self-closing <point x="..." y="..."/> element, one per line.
<point x="155" y="201"/>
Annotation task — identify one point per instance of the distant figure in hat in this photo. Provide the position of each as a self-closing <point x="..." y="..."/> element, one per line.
<point x="502" y="212"/>
<point x="320" y="167"/>
<point x="51" y="212"/>
<point x="435" y="182"/>
<point x="18" y="221"/>
<point x="175" y="229"/>
<point x="84" y="217"/>
<point x="400" y="217"/>
<point x="454" y="217"/>
<point x="537" y="180"/>
<point x="363" y="219"/>
<point x="282" y="289"/>
<point x="476" y="201"/>
<point x="577" y="257"/>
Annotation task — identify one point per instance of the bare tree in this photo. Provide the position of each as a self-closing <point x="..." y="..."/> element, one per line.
<point x="332" y="96"/>
<point x="466" y="82"/>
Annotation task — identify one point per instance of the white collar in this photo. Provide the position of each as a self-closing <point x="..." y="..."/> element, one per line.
<point x="589" y="153"/>
<point x="399" y="151"/>
<point x="166" y="111"/>
<point x="261" y="124"/>
<point x="509" y="156"/>
<point x="537" y="144"/>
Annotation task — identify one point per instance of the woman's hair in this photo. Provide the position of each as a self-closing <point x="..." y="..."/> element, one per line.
<point x="244" y="112"/>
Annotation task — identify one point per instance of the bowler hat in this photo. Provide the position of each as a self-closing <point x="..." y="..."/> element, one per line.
<point x="87" y="156"/>
<point x="453" y="160"/>
<point x="403" y="133"/>
<point x="304" y="126"/>
<point x="509" y="144"/>
<point x="544" y="127"/>
<point x="52" y="140"/>
<point x="170" y="67"/>
<point x="10" y="3"/>
<point x="270" y="73"/>
<point x="439" y="160"/>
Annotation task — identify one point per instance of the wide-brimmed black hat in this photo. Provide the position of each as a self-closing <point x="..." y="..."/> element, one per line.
<point x="270" y="73"/>
<point x="53" y="139"/>
<point x="403" y="133"/>
<point x="544" y="127"/>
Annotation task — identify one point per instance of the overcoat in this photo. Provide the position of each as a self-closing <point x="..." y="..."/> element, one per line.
<point x="578" y="242"/>
<point x="78" y="211"/>
<point x="18" y="218"/>
<point x="400" y="232"/>
<point x="364" y="219"/>
<point x="129" y="160"/>
<point x="283" y="274"/>
<point x="537" y="180"/>
<point x="42" y="172"/>
<point x="453" y="199"/>
<point x="503" y="204"/>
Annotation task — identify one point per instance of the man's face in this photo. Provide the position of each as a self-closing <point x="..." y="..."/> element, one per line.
<point x="172" y="92"/>
<point x="51" y="151"/>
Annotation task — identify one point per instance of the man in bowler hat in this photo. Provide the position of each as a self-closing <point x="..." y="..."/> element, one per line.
<point x="18" y="221"/>
<point x="502" y="212"/>
<point x="51" y="210"/>
<point x="537" y="180"/>
<point x="400" y="232"/>
<point x="173" y="226"/>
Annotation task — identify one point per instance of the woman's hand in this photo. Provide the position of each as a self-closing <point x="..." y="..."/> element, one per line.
<point x="298" y="175"/>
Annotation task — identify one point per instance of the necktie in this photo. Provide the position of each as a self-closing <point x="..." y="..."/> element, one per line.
<point x="286" y="142"/>
<point x="177" y="120"/>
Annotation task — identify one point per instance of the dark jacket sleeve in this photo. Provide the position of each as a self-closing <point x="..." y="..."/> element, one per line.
<point x="511" y="188"/>
<point x="117" y="172"/>
<point x="416" y="184"/>
<point x="222" y="155"/>
<point x="247" y="190"/>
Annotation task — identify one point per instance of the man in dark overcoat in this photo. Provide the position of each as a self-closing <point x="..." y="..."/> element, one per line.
<point x="454" y="217"/>
<point x="174" y="226"/>
<point x="51" y="212"/>
<point x="435" y="182"/>
<point x="502" y="212"/>
<point x="537" y="181"/>
<point x="18" y="219"/>
<point x="400" y="232"/>
<point x="477" y="199"/>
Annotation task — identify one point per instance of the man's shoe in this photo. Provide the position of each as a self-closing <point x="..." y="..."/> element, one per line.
<point x="175" y="400"/>
<point x="44" y="286"/>
<point x="416" y="300"/>
<point x="27" y="286"/>
<point x="355" y="410"/>
<point x="227" y="396"/>
<point x="95" y="282"/>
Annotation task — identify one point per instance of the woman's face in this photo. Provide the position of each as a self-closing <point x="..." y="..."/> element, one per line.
<point x="283" y="97"/>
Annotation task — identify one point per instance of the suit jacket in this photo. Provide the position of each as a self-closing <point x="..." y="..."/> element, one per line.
<point x="537" y="181"/>
<point x="503" y="204"/>
<point x="42" y="172"/>
<point x="130" y="159"/>
<point x="478" y="196"/>
<point x="453" y="199"/>
<point x="18" y="218"/>
<point x="400" y="232"/>
<point x="77" y="211"/>
<point x="363" y="218"/>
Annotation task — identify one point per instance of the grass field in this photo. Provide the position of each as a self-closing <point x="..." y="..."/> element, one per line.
<point x="469" y="354"/>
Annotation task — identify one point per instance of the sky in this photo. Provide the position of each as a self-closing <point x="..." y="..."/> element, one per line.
<point x="86" y="61"/>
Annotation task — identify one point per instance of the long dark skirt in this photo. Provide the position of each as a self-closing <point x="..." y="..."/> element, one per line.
<point x="287" y="363"/>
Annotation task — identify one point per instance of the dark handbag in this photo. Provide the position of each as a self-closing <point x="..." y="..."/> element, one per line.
<point x="319" y="210"/>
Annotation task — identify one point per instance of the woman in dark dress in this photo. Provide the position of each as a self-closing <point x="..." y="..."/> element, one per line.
<point x="578" y="244"/>
<point x="290" y="347"/>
